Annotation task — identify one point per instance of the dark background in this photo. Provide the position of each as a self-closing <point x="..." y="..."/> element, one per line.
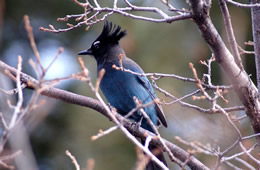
<point x="164" y="48"/>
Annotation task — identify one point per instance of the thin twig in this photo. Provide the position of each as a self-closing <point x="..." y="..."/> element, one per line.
<point x="3" y="122"/>
<point x="157" y="133"/>
<point x="245" y="163"/>
<point x="157" y="76"/>
<point x="61" y="49"/>
<point x="241" y="5"/>
<point x="32" y="41"/>
<point x="13" y="91"/>
<point x="230" y="33"/>
<point x="73" y="159"/>
<point x="103" y="133"/>
<point x="242" y="51"/>
<point x="233" y="166"/>
<point x="237" y="154"/>
<point x="20" y="94"/>
<point x="92" y="14"/>
<point x="248" y="153"/>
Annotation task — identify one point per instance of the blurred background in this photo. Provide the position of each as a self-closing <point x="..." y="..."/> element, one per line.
<point x="164" y="48"/>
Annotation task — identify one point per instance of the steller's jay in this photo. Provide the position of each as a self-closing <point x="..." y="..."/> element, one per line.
<point x="121" y="87"/>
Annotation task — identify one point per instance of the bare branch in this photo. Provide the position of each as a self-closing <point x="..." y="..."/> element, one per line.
<point x="230" y="33"/>
<point x="247" y="92"/>
<point x="73" y="159"/>
<point x="172" y="8"/>
<point x="229" y="61"/>
<point x="157" y="76"/>
<point x="115" y="4"/>
<point x="215" y="106"/>
<point x="243" y="5"/>
<point x="233" y="166"/>
<point x="61" y="49"/>
<point x="247" y="152"/>
<point x="242" y="51"/>
<point x="245" y="163"/>
<point x="156" y="133"/>
<point x="20" y="94"/>
<point x="255" y="15"/>
<point x="149" y="9"/>
<point x="95" y="12"/>
<point x="237" y="154"/>
<point x="13" y="91"/>
<point x="3" y="122"/>
<point x="32" y="41"/>
<point x="97" y="4"/>
<point x="184" y="104"/>
<point x="96" y="105"/>
<point x="103" y="133"/>
<point x="7" y="158"/>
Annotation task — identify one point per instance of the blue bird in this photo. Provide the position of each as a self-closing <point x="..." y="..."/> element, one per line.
<point x="121" y="87"/>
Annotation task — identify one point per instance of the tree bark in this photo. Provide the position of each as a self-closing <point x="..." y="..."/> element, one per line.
<point x="255" y="15"/>
<point x="243" y="85"/>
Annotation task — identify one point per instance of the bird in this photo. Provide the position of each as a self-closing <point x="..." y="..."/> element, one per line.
<point x="121" y="87"/>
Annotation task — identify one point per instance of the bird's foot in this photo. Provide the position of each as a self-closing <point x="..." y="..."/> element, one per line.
<point x="111" y="108"/>
<point x="135" y="126"/>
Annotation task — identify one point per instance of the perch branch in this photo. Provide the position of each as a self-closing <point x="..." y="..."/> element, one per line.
<point x="96" y="105"/>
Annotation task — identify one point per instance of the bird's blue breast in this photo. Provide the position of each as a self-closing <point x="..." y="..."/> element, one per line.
<point x="119" y="89"/>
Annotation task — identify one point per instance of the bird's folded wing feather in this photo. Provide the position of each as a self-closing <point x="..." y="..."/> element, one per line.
<point x="130" y="64"/>
<point x="147" y="85"/>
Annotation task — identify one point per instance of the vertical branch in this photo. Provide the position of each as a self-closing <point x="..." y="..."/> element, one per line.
<point x="230" y="33"/>
<point x="18" y="107"/>
<point x="29" y="29"/>
<point x="2" y="11"/>
<point x="255" y="13"/>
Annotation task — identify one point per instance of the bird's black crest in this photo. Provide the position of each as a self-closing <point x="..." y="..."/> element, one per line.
<point x="111" y="33"/>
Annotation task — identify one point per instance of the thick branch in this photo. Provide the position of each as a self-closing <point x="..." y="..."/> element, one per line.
<point x="245" y="88"/>
<point x="57" y="93"/>
<point x="72" y="98"/>
<point x="255" y="13"/>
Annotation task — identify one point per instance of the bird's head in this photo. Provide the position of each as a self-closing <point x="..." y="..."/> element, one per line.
<point x="107" y="43"/>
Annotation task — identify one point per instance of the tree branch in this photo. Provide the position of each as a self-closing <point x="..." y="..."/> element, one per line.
<point x="246" y="90"/>
<point x="255" y="14"/>
<point x="242" y="5"/>
<point x="72" y="98"/>
<point x="230" y="33"/>
<point x="92" y="15"/>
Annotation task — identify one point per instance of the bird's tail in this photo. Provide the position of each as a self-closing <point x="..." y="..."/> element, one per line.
<point x="153" y="165"/>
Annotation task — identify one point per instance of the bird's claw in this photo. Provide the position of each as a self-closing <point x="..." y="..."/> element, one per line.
<point x="111" y="108"/>
<point x="135" y="126"/>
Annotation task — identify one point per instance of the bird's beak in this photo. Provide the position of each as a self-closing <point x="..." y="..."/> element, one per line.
<point x="86" y="52"/>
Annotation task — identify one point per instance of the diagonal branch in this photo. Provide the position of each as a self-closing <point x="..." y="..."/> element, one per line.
<point x="247" y="91"/>
<point x="230" y="33"/>
<point x="72" y="98"/>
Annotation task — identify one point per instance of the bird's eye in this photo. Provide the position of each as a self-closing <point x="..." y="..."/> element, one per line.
<point x="96" y="44"/>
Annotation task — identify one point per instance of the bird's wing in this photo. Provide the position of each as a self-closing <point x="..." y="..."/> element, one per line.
<point x="130" y="64"/>
<point x="147" y="85"/>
